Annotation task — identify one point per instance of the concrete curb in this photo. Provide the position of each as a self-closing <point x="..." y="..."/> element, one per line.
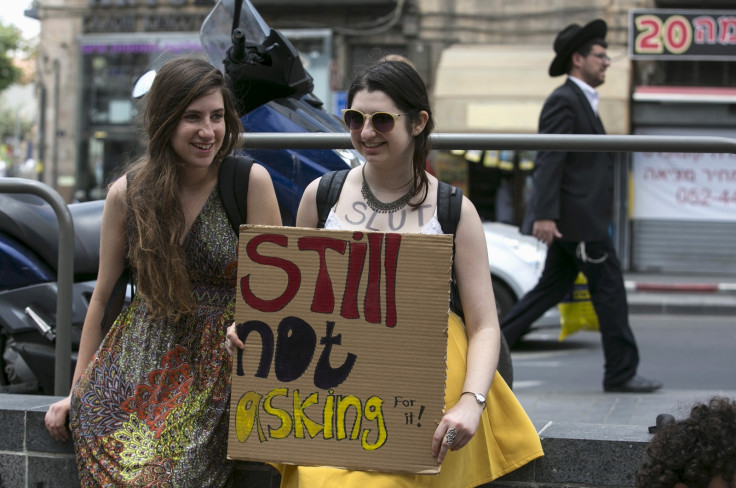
<point x="680" y="287"/>
<point x="681" y="295"/>
<point x="576" y="455"/>
<point x="681" y="303"/>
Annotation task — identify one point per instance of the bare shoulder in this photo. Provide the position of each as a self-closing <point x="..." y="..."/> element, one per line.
<point x="470" y="223"/>
<point x="471" y="253"/>
<point x="259" y="175"/>
<point x="260" y="185"/>
<point x="117" y="195"/>
<point x="263" y="207"/>
<point x="114" y="213"/>
<point x="469" y="208"/>
<point x="311" y="190"/>
<point x="307" y="214"/>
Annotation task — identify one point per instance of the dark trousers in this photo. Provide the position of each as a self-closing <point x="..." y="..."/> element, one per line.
<point x="608" y="295"/>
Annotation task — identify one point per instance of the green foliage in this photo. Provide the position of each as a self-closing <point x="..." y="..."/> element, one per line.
<point x="10" y="40"/>
<point x="12" y="125"/>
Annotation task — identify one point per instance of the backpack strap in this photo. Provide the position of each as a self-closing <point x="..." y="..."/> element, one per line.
<point x="232" y="181"/>
<point x="328" y="191"/>
<point x="449" y="206"/>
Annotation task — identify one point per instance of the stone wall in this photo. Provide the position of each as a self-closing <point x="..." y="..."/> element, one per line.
<point x="576" y="455"/>
<point x="29" y="456"/>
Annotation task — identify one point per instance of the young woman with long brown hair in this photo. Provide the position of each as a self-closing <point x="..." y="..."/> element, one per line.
<point x="149" y="400"/>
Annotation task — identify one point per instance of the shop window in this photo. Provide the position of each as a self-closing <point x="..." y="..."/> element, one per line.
<point x="109" y="137"/>
<point x="497" y="182"/>
<point x="687" y="73"/>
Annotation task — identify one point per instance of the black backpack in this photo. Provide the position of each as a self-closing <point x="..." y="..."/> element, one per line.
<point x="449" y="206"/>
<point x="232" y="182"/>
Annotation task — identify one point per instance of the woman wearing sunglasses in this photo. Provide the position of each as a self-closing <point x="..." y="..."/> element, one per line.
<point x="484" y="432"/>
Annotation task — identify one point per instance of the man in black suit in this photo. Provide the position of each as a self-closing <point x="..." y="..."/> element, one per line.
<point x="571" y="208"/>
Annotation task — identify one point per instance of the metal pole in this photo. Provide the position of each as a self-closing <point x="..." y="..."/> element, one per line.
<point x="549" y="142"/>
<point x="42" y="131"/>
<point x="65" y="274"/>
<point x="55" y="129"/>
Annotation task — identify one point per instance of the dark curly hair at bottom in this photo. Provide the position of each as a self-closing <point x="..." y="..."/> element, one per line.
<point x="695" y="450"/>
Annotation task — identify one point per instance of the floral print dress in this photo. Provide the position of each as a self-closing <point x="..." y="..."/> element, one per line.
<point x="152" y="407"/>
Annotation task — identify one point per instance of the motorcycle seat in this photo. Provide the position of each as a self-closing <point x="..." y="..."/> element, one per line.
<point x="30" y="220"/>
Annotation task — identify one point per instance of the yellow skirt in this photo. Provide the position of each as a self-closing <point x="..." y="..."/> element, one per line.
<point x="505" y="439"/>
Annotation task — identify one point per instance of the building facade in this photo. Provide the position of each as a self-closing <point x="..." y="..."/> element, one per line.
<point x="91" y="52"/>
<point x="485" y="62"/>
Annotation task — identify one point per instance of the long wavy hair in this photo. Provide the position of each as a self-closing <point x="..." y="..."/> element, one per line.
<point x="400" y="81"/>
<point x="155" y="218"/>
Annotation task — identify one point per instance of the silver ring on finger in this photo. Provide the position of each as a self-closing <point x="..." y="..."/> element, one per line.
<point x="450" y="436"/>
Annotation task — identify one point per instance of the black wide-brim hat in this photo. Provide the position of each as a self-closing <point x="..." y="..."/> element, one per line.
<point x="572" y="37"/>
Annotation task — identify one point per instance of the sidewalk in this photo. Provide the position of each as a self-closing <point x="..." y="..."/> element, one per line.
<point x="611" y="408"/>
<point x="648" y="293"/>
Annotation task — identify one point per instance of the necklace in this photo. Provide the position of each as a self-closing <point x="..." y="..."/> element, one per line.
<point x="378" y="206"/>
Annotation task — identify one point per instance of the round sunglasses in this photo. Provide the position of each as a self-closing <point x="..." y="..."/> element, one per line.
<point x="383" y="122"/>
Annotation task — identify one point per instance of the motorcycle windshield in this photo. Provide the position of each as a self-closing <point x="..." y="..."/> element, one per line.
<point x="216" y="32"/>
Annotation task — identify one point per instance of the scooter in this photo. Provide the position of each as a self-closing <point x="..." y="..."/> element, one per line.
<point x="273" y="89"/>
<point x="275" y="93"/>
<point x="29" y="247"/>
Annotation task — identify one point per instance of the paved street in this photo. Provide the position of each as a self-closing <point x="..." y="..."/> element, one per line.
<point x="693" y="355"/>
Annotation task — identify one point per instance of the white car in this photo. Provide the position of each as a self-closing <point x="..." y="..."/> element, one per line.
<point x="515" y="261"/>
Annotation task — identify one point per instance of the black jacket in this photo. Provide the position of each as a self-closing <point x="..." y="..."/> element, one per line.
<point x="573" y="188"/>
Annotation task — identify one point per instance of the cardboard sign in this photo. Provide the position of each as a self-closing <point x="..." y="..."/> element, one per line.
<point x="345" y="339"/>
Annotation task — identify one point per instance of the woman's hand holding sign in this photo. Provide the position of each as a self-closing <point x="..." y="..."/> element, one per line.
<point x="232" y="342"/>
<point x="457" y="427"/>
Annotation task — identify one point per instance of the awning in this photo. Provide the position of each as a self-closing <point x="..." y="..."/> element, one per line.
<point x="501" y="88"/>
